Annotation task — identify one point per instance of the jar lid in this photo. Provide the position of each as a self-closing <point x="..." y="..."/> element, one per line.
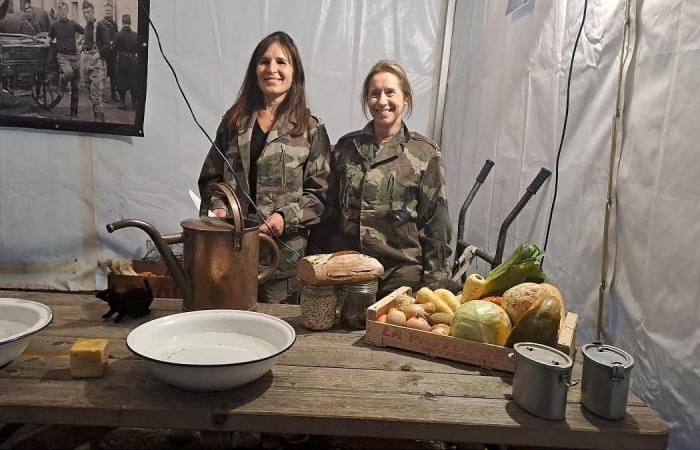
<point x="607" y="355"/>
<point x="361" y="285"/>
<point x="543" y="355"/>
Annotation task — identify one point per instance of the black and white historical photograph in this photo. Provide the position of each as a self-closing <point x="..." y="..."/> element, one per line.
<point x="74" y="64"/>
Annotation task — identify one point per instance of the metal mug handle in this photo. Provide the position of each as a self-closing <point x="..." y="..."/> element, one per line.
<point x="267" y="273"/>
<point x="566" y="379"/>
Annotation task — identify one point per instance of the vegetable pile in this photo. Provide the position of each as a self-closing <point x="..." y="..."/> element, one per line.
<point x="512" y="304"/>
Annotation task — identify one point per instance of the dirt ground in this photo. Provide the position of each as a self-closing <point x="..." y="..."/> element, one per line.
<point x="21" y="104"/>
<point x="55" y="436"/>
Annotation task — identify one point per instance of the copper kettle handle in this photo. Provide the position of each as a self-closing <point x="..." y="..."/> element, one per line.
<point x="236" y="212"/>
<point x="267" y="273"/>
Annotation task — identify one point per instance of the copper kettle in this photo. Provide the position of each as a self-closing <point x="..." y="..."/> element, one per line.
<point x="220" y="257"/>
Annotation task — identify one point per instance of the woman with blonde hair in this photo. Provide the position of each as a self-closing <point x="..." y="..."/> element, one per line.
<point x="277" y="155"/>
<point x="389" y="188"/>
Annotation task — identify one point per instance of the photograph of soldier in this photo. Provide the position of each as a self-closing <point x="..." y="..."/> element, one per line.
<point x="93" y="63"/>
<point x="388" y="188"/>
<point x="73" y="58"/>
<point x="40" y="15"/>
<point x="62" y="33"/>
<point x="109" y="55"/>
<point x="30" y="26"/>
<point x="126" y="46"/>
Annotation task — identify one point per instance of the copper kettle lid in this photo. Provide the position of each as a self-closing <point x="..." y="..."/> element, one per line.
<point x="213" y="224"/>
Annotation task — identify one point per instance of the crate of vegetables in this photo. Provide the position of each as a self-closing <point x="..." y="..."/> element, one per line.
<point x="474" y="331"/>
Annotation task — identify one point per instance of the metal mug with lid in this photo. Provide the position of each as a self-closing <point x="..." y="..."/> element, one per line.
<point x="606" y="379"/>
<point x="542" y="379"/>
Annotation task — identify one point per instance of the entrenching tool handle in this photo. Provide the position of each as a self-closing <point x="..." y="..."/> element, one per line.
<point x="538" y="181"/>
<point x="236" y="213"/>
<point x="267" y="273"/>
<point x="485" y="171"/>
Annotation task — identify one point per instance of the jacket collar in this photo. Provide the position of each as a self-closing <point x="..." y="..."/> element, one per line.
<point x="283" y="125"/>
<point x="388" y="151"/>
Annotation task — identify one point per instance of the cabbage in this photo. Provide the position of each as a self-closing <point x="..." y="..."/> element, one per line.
<point x="481" y="321"/>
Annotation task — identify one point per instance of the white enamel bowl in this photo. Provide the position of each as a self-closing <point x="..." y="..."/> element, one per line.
<point x="19" y="319"/>
<point x="211" y="350"/>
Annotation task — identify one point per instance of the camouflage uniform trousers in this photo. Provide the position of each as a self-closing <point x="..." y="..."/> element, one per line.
<point x="95" y="70"/>
<point x="279" y="290"/>
<point x="397" y="277"/>
<point x="69" y="68"/>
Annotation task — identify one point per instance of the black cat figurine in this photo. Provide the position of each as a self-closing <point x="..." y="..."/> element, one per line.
<point x="134" y="302"/>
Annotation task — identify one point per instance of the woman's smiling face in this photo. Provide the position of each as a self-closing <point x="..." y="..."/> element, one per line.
<point x="274" y="71"/>
<point x="386" y="99"/>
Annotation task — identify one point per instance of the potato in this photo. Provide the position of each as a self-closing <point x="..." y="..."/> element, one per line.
<point x="441" y="318"/>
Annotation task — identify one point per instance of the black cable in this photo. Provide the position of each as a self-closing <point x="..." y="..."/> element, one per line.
<point x="194" y="117"/>
<point x="563" y="131"/>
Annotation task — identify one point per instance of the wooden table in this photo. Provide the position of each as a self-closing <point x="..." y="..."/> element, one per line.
<point x="329" y="383"/>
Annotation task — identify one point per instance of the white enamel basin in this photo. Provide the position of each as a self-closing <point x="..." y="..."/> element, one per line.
<point x="19" y="319"/>
<point x="211" y="350"/>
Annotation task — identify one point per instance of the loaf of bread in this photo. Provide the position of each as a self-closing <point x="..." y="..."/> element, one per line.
<point x="338" y="268"/>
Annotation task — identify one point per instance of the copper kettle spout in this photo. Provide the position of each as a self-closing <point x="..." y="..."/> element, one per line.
<point x="161" y="243"/>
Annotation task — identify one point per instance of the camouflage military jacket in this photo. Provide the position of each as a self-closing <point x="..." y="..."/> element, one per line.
<point x="292" y="179"/>
<point x="390" y="200"/>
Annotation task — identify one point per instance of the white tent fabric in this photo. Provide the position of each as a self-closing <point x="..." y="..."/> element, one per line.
<point x="506" y="100"/>
<point x="656" y="291"/>
<point x="58" y="190"/>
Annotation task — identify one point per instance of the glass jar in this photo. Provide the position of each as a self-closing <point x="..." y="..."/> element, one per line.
<point x="318" y="305"/>
<point x="354" y="300"/>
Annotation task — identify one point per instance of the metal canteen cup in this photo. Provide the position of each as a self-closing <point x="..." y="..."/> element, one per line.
<point x="220" y="257"/>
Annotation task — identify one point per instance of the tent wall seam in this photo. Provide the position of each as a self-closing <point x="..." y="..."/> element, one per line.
<point x="609" y="258"/>
<point x="439" y="103"/>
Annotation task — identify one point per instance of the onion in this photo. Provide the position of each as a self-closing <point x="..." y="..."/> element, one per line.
<point x="396" y="317"/>
<point x="418" y="323"/>
<point x="414" y="310"/>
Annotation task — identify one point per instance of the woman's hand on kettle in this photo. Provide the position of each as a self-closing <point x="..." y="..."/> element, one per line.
<point x="275" y="223"/>
<point x="219" y="212"/>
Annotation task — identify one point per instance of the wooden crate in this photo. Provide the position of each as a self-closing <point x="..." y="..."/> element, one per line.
<point x="448" y="347"/>
<point x="162" y="285"/>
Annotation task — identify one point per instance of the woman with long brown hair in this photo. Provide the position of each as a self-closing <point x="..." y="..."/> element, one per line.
<point x="278" y="155"/>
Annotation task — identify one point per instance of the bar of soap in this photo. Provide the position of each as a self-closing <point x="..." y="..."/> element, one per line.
<point x="89" y="358"/>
